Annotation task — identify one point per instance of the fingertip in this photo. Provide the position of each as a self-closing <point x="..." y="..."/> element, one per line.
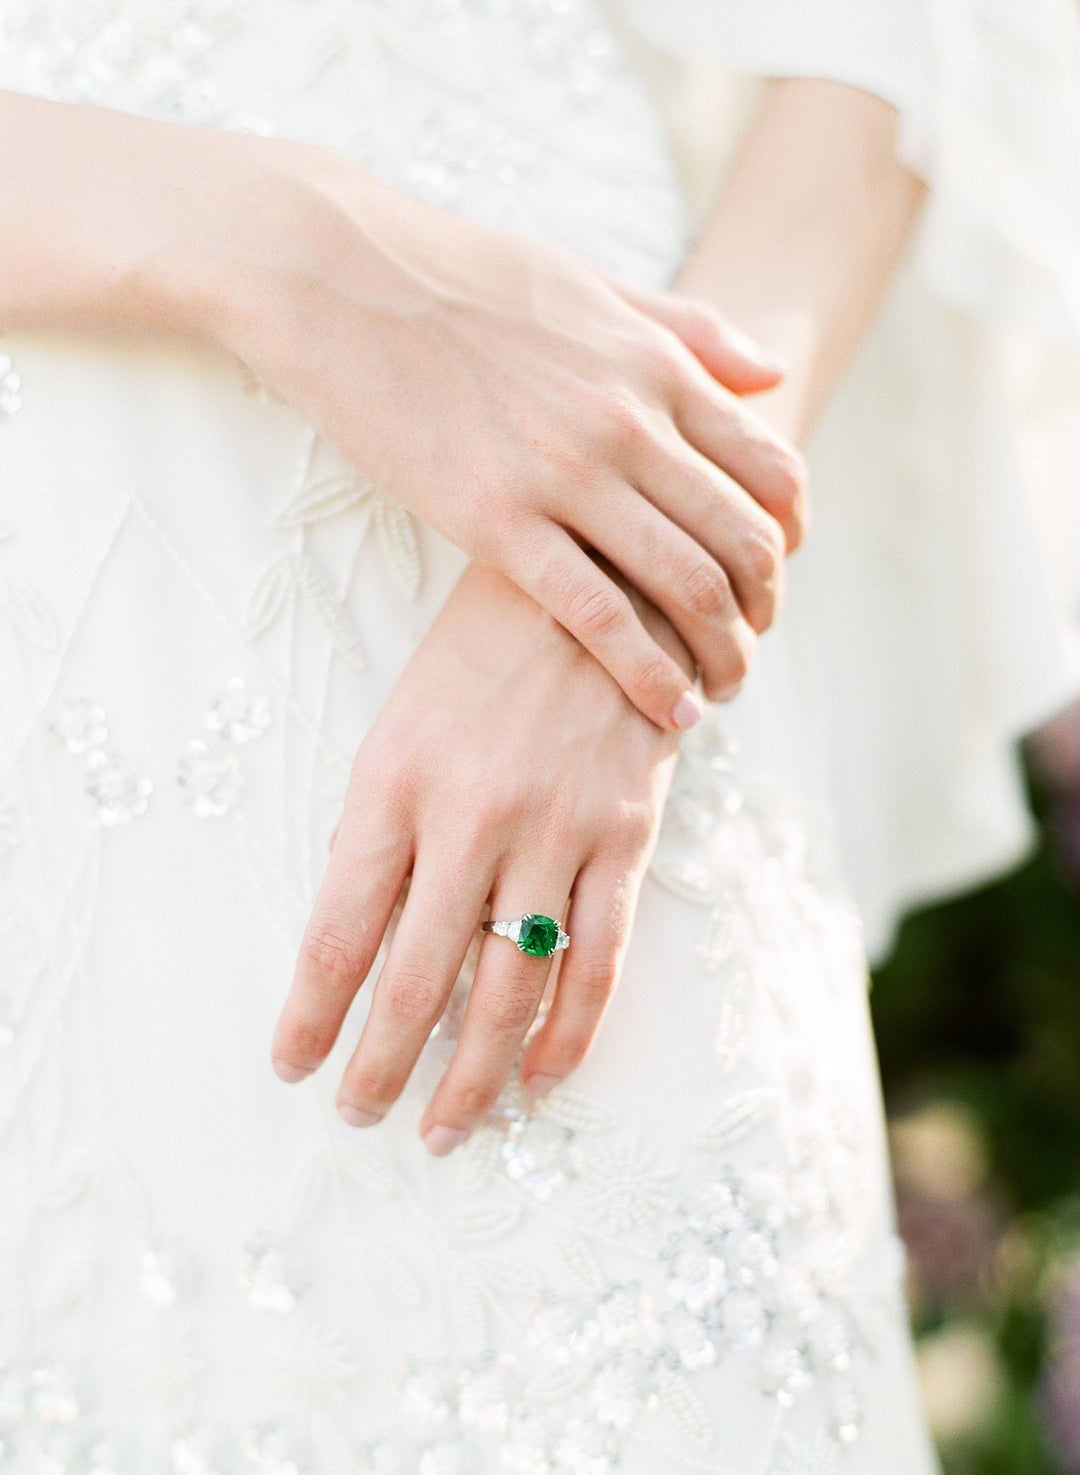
<point x="290" y="1074"/>
<point x="687" y="712"/>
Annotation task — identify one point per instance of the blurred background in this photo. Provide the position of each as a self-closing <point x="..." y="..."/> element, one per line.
<point x="977" y="1015"/>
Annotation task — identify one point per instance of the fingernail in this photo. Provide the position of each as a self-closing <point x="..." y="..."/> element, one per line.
<point x="441" y="1140"/>
<point x="290" y="1073"/>
<point x="356" y="1116"/>
<point x="750" y="348"/>
<point x="541" y="1084"/>
<point x="688" y="711"/>
<point x="773" y="364"/>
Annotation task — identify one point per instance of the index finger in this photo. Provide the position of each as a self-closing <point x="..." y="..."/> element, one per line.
<point x="346" y="927"/>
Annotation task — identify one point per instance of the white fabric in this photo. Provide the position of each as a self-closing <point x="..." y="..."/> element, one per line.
<point x="685" y="1259"/>
<point x="933" y="613"/>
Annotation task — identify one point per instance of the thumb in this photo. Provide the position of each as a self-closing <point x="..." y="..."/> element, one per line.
<point x="731" y="356"/>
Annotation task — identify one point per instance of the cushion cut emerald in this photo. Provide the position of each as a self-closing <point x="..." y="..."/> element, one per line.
<point x="539" y="935"/>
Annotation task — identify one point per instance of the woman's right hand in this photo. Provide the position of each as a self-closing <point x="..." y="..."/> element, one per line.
<point x="509" y="395"/>
<point x="528" y="408"/>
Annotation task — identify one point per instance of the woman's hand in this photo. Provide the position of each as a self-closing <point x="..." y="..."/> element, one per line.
<point x="530" y="409"/>
<point x="532" y="784"/>
<point x="506" y="393"/>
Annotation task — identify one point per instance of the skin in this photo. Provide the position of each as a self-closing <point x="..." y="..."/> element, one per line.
<point x="562" y="411"/>
<point x="356" y="305"/>
<point x="557" y="786"/>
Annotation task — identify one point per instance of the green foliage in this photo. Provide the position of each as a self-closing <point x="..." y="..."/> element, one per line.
<point x="980" y="1006"/>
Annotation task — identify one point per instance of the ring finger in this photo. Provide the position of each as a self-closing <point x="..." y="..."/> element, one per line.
<point x="503" y="1001"/>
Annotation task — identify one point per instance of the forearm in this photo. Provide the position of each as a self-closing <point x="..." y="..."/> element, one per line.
<point x="114" y="223"/>
<point x="806" y="236"/>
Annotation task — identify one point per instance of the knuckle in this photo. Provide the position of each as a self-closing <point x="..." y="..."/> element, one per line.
<point x="332" y="957"/>
<point x="624" y="419"/>
<point x="597" y="610"/>
<point x="650" y="679"/>
<point x="472" y="1100"/>
<point x="303" y="1039"/>
<point x="371" y="1087"/>
<point x="509" y="1009"/>
<point x="705" y="588"/>
<point x="412" y="995"/>
<point x="763" y="553"/>
<point x="702" y="320"/>
<point x="733" y="668"/>
<point x="788" y="475"/>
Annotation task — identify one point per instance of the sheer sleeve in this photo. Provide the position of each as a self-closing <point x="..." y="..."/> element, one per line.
<point x="945" y="562"/>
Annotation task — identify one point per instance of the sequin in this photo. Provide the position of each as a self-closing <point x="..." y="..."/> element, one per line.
<point x="120" y="792"/>
<point x="270" y="1276"/>
<point x="168" y="1274"/>
<point x="211" y="778"/>
<point x="238" y="714"/>
<point x="81" y="725"/>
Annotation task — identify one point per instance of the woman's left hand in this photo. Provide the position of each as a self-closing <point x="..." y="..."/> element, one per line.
<point x="507" y="768"/>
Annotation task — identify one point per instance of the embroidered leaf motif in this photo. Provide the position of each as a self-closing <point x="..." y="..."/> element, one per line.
<point x="30" y="615"/>
<point x="391" y="1275"/>
<point x="505" y="1276"/>
<point x="480" y="1223"/>
<point x="580" y="1258"/>
<point x="576" y="1112"/>
<point x="396" y="532"/>
<point x="368" y="1168"/>
<point x="311" y="1184"/>
<point x="324" y="499"/>
<point x="268" y="597"/>
<point x="684" y="1407"/>
<point x="69" y="1182"/>
<point x="316" y="585"/>
<point x="469" y="1314"/>
<point x="742" y="1115"/>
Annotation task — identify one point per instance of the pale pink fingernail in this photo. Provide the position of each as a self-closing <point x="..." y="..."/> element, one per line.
<point x="541" y="1084"/>
<point x="687" y="712"/>
<point x="356" y="1116"/>
<point x="441" y="1140"/>
<point x="290" y="1073"/>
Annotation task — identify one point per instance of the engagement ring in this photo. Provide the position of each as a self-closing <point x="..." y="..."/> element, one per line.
<point x="534" y="934"/>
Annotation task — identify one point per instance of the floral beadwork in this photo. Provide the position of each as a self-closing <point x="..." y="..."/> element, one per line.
<point x="739" y="1275"/>
<point x="210" y="778"/>
<point x="156" y="61"/>
<point x="209" y="774"/>
<point x="119" y="791"/>
<point x="238" y="714"/>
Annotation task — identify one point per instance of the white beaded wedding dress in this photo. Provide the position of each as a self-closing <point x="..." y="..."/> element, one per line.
<point x="682" y="1260"/>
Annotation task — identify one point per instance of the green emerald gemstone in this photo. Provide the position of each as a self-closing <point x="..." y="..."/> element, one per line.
<point x="538" y="935"/>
